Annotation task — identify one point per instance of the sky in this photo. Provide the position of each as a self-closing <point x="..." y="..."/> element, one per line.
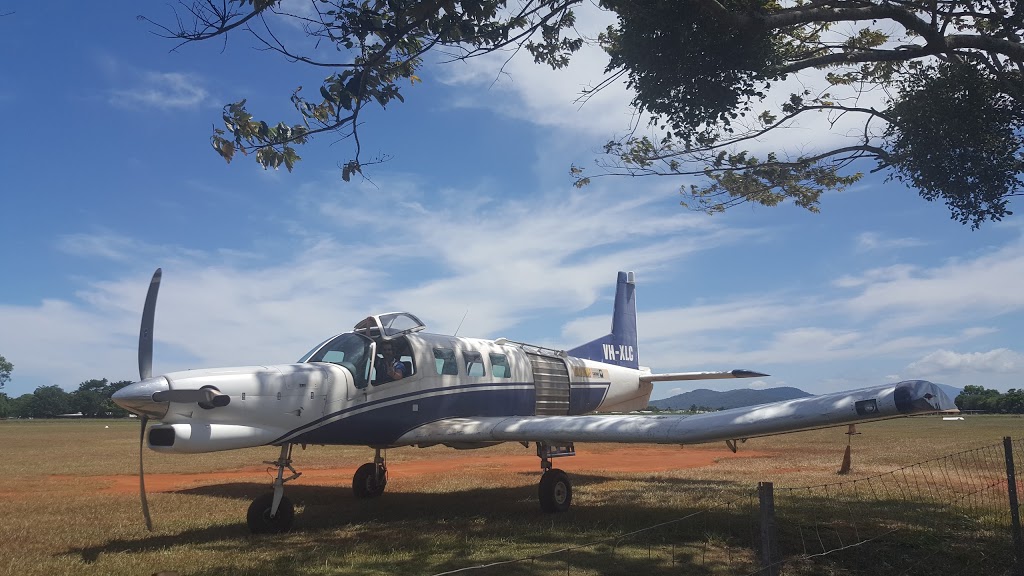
<point x="473" y="225"/>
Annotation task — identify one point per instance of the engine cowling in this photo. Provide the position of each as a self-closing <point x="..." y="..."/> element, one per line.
<point x="194" y="438"/>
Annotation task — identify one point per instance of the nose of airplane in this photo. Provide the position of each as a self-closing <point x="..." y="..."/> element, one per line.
<point x="138" y="397"/>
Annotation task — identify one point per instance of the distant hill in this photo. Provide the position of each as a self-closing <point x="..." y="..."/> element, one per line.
<point x="950" y="391"/>
<point x="731" y="399"/>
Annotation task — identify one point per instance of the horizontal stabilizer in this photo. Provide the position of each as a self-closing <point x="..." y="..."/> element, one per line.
<point x="700" y="376"/>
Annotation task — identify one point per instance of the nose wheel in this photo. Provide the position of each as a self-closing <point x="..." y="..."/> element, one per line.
<point x="263" y="520"/>
<point x="273" y="513"/>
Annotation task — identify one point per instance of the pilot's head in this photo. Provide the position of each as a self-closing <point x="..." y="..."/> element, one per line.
<point x="387" y="349"/>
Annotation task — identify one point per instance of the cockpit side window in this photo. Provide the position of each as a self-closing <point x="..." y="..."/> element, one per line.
<point x="398" y="355"/>
<point x="474" y="363"/>
<point x="350" y="351"/>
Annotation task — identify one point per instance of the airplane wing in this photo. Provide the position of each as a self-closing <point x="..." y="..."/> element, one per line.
<point x="876" y="403"/>
<point x="676" y="376"/>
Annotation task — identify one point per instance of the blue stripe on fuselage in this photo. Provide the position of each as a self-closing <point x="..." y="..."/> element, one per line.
<point x="382" y="421"/>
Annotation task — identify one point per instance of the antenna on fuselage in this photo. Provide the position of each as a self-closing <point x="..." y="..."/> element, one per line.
<point x="460" y="322"/>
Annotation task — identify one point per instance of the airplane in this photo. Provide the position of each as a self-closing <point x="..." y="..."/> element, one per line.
<point x="387" y="383"/>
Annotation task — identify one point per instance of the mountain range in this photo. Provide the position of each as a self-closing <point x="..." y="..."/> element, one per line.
<point x="730" y="399"/>
<point x="741" y="397"/>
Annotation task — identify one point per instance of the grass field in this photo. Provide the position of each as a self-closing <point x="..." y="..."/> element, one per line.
<point x="69" y="505"/>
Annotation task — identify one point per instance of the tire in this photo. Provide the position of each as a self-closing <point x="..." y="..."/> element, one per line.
<point x="554" y="491"/>
<point x="365" y="484"/>
<point x="259" y="518"/>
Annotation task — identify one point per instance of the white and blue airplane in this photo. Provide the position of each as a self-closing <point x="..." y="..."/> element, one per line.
<point x="388" y="383"/>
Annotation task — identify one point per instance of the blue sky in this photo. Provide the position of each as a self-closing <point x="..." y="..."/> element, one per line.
<point x="108" y="174"/>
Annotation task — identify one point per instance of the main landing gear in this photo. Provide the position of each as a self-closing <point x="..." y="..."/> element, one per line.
<point x="554" y="491"/>
<point x="274" y="513"/>
<point x="371" y="478"/>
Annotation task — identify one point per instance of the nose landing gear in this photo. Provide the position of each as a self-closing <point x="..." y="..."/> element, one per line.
<point x="274" y="513"/>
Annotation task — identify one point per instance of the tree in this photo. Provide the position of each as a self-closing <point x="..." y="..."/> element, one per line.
<point x="979" y="398"/>
<point x="92" y="398"/>
<point x="6" y="406"/>
<point x="24" y="406"/>
<point x="5" y="371"/>
<point x="950" y="123"/>
<point x="50" y="401"/>
<point x="1012" y="402"/>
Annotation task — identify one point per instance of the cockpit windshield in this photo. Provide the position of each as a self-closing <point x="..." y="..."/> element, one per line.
<point x="351" y="351"/>
<point x="390" y="325"/>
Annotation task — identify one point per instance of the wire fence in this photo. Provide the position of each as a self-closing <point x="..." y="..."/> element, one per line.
<point x="956" y="514"/>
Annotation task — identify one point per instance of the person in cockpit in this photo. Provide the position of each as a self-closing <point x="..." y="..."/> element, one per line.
<point x="389" y="368"/>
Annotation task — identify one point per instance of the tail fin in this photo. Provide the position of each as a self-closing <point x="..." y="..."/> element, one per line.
<point x="619" y="347"/>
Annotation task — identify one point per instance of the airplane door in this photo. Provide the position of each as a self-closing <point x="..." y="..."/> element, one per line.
<point x="551" y="382"/>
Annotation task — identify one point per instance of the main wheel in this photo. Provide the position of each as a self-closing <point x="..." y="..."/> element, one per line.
<point x="554" y="491"/>
<point x="365" y="483"/>
<point x="260" y="521"/>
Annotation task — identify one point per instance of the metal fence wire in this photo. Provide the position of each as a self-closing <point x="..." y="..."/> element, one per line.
<point x="946" y="515"/>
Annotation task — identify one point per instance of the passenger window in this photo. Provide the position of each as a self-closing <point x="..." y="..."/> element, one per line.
<point x="445" y="363"/>
<point x="474" y="363"/>
<point x="499" y="366"/>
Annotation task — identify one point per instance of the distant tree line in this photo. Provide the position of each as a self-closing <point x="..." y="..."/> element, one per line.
<point x="980" y="398"/>
<point x="91" y="399"/>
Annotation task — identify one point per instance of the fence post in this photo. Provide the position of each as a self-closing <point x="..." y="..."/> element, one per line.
<point x="769" y="542"/>
<point x="1011" y="483"/>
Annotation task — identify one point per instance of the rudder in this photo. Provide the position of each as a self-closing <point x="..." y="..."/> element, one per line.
<point x="619" y="347"/>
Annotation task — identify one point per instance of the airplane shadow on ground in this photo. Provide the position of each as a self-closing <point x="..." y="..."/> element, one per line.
<point x="430" y="532"/>
<point x="331" y="515"/>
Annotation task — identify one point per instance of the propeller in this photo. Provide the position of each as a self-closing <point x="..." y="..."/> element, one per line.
<point x="145" y="372"/>
<point x="146" y="331"/>
<point x="142" y="476"/>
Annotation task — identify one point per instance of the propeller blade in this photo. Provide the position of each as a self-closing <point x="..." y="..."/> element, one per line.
<point x="146" y="331"/>
<point x="142" y="474"/>
<point x="189" y="396"/>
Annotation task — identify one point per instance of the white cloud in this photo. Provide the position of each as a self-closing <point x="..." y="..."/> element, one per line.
<point x="964" y="288"/>
<point x="1000" y="360"/>
<point x="760" y="385"/>
<point x="163" y="90"/>
<point x="106" y="246"/>
<point x="520" y="88"/>
<point x="879" y="317"/>
<point x="505" y="260"/>
<point x="870" y="241"/>
<point x="895" y="273"/>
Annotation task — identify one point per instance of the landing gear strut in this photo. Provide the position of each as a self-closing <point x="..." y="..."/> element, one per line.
<point x="273" y="513"/>
<point x="371" y="478"/>
<point x="554" y="490"/>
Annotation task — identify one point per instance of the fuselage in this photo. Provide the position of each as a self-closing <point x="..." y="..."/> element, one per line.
<point x="337" y="394"/>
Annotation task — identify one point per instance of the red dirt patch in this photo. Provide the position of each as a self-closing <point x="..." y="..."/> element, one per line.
<point x="619" y="459"/>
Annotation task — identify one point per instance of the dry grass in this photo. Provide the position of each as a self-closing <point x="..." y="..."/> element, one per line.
<point x="428" y="523"/>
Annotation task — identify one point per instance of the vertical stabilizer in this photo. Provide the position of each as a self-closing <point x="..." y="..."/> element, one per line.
<point x="619" y="347"/>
